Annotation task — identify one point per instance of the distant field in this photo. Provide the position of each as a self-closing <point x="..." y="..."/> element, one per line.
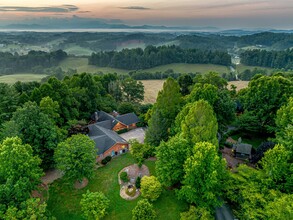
<point x="25" y="77"/>
<point x="151" y="89"/>
<point x="240" y="68"/>
<point x="190" y="68"/>
<point x="239" y="84"/>
<point x="81" y="65"/>
<point x="76" y="50"/>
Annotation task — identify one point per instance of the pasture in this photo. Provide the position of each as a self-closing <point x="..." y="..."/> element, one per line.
<point x="241" y="68"/>
<point x="23" y="77"/>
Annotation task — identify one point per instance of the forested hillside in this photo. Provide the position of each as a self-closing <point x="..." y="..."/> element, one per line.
<point x="154" y="56"/>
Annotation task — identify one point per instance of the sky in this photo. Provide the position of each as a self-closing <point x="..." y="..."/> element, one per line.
<point x="200" y="13"/>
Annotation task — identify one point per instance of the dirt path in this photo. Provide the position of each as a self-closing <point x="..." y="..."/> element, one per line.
<point x="51" y="176"/>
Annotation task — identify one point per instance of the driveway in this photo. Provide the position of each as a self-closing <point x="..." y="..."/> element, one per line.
<point x="137" y="133"/>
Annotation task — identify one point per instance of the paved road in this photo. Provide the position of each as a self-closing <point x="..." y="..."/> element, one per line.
<point x="137" y="133"/>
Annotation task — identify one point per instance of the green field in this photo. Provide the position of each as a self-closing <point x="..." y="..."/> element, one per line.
<point x="240" y="68"/>
<point x="190" y="68"/>
<point x="63" y="200"/>
<point x="81" y="65"/>
<point x="24" y="77"/>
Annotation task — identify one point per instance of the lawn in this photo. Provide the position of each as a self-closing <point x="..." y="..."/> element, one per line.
<point x="23" y="77"/>
<point x="190" y="68"/>
<point x="81" y="65"/>
<point x="241" y="68"/>
<point x="64" y="200"/>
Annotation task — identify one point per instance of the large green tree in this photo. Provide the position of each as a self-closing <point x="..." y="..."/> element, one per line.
<point x="264" y="96"/>
<point x="8" y="102"/>
<point x="278" y="168"/>
<point x="144" y="211"/>
<point x="171" y="156"/>
<point x="284" y="125"/>
<point x="196" y="213"/>
<point x="200" y="123"/>
<point x="164" y="112"/>
<point x="132" y="90"/>
<point x="37" y="129"/>
<point x="19" y="171"/>
<point x="76" y="156"/>
<point x="203" y="178"/>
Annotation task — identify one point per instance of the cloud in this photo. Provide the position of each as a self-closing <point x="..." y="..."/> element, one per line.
<point x="55" y="9"/>
<point x="232" y="4"/>
<point x="135" y="8"/>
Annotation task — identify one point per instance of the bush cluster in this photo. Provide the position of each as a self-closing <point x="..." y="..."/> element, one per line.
<point x="106" y="160"/>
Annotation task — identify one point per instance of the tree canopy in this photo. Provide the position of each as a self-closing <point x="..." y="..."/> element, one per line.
<point x="76" y="156"/>
<point x="143" y="211"/>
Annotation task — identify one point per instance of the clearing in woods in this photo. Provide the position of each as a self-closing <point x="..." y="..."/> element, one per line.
<point x="23" y="77"/>
<point x="152" y="87"/>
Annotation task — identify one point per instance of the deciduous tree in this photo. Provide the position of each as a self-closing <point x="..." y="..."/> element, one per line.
<point x="143" y="211"/>
<point x="204" y="172"/>
<point x="76" y="156"/>
<point x="171" y="156"/>
<point x="94" y="205"/>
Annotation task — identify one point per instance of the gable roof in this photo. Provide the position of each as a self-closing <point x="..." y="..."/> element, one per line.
<point x="104" y="138"/>
<point x="108" y="121"/>
<point x="128" y="119"/>
<point x="243" y="148"/>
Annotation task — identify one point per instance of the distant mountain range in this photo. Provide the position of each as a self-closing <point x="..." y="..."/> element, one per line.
<point x="75" y="22"/>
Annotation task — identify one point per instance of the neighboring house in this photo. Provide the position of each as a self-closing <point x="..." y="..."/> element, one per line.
<point x="108" y="142"/>
<point x="120" y="122"/>
<point x="242" y="150"/>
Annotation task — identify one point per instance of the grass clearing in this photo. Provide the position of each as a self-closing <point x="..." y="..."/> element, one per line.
<point x="81" y="65"/>
<point x="23" y="77"/>
<point x="151" y="89"/>
<point x="64" y="200"/>
<point x="241" y="68"/>
<point x="238" y="84"/>
<point x="190" y="68"/>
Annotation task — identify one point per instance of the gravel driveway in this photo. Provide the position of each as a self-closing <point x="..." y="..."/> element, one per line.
<point x="137" y="133"/>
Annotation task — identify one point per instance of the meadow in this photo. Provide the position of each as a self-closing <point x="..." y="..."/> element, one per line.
<point x="24" y="77"/>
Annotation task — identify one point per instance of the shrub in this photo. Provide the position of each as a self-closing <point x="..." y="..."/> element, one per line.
<point x="151" y="188"/>
<point x="94" y="205"/>
<point x="106" y="160"/>
<point x="124" y="130"/>
<point x="137" y="182"/>
<point x="130" y="191"/>
<point x="143" y="211"/>
<point x="124" y="177"/>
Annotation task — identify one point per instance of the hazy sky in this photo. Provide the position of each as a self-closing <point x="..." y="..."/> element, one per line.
<point x="219" y="13"/>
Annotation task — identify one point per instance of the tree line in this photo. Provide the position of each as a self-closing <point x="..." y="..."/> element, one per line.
<point x="33" y="61"/>
<point x="273" y="59"/>
<point x="153" y="56"/>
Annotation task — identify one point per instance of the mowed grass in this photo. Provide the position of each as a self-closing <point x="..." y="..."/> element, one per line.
<point x="241" y="68"/>
<point x="24" y="77"/>
<point x="190" y="68"/>
<point x="64" y="201"/>
<point x="81" y="65"/>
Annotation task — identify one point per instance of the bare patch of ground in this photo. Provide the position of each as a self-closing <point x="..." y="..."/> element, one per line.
<point x="51" y="176"/>
<point x="82" y="184"/>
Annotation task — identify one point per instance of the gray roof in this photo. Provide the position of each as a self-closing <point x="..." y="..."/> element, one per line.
<point x="109" y="124"/>
<point x="104" y="138"/>
<point x="243" y="148"/>
<point x="128" y="119"/>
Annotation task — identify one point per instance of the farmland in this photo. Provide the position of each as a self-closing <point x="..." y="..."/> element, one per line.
<point x="25" y="77"/>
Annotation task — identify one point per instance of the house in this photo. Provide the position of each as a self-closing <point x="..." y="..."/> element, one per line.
<point x="108" y="142"/>
<point x="242" y="150"/>
<point x="117" y="122"/>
